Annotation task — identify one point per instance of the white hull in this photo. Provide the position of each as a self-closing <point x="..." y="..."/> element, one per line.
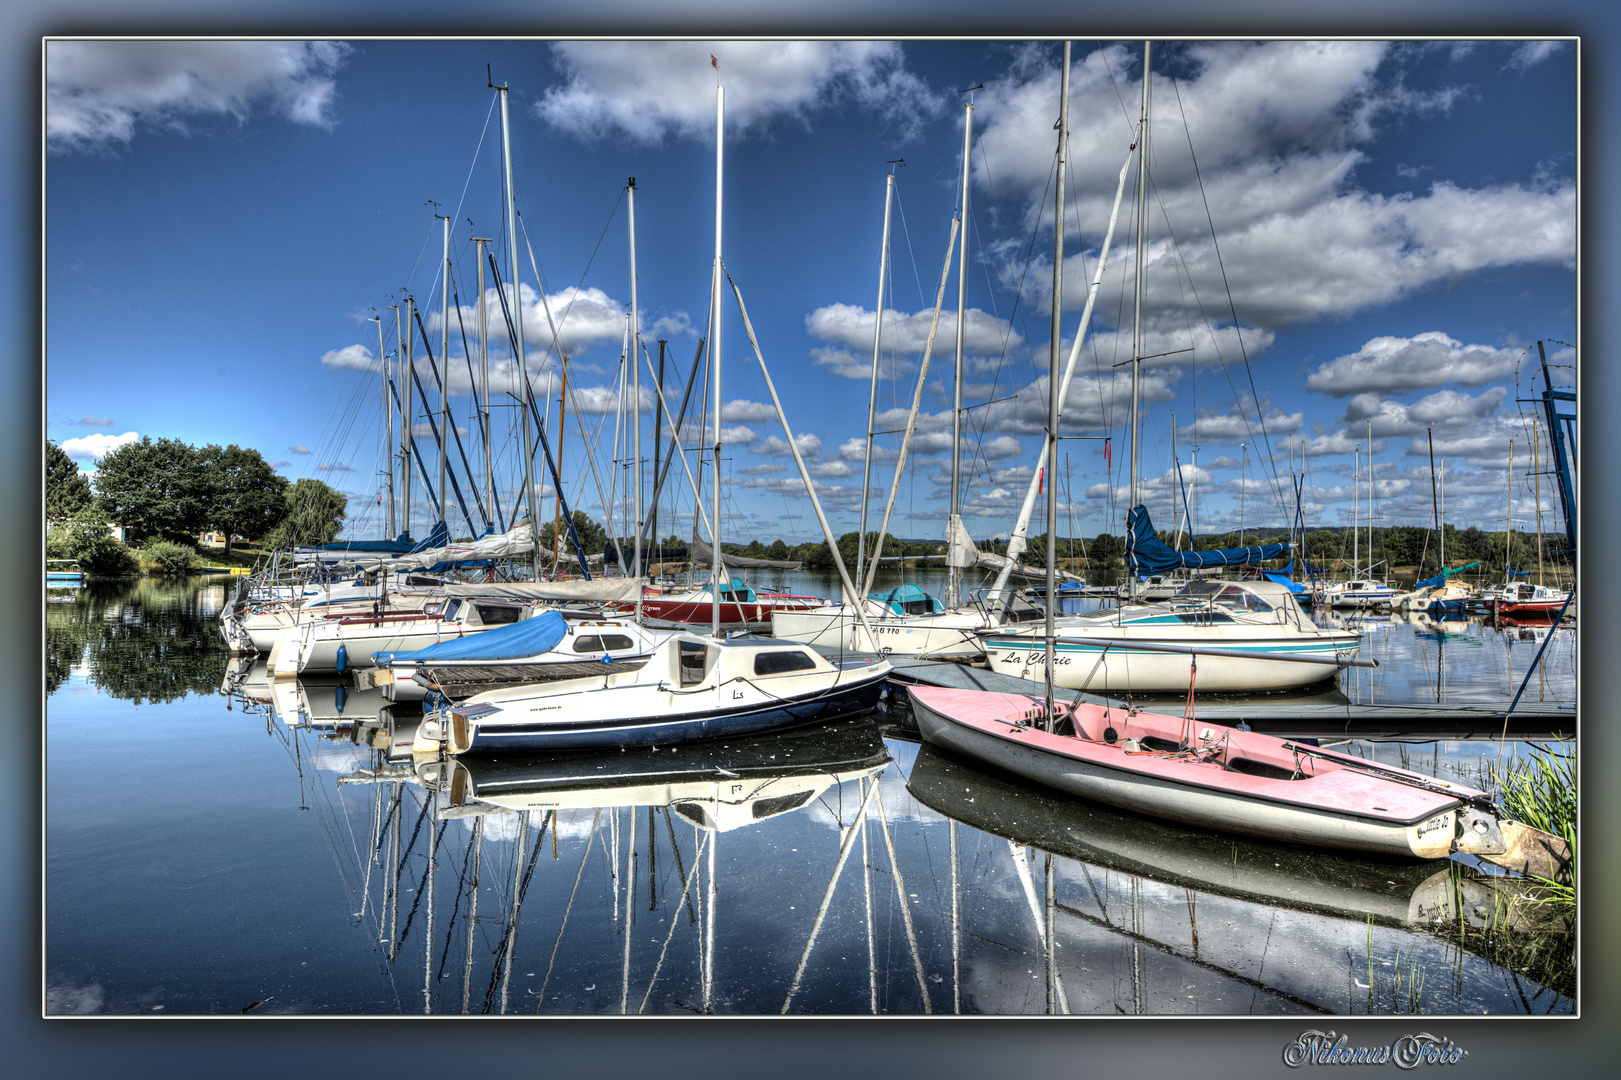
<point x="942" y="634"/>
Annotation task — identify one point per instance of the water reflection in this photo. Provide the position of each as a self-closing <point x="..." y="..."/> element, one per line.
<point x="830" y="870"/>
<point x="151" y="641"/>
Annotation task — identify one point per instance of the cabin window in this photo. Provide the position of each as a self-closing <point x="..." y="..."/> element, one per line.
<point x="496" y="614"/>
<point x="782" y="662"/>
<point x="693" y="654"/>
<point x="448" y="609"/>
<point x="427" y="582"/>
<point x="1204" y="618"/>
<point x="780" y="804"/>
<point x="592" y="643"/>
<point x="693" y="813"/>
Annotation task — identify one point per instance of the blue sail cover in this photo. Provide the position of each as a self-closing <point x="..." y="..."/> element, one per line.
<point x="907" y="599"/>
<point x="1441" y="578"/>
<point x="403" y="545"/>
<point x="527" y="637"/>
<point x="1146" y="553"/>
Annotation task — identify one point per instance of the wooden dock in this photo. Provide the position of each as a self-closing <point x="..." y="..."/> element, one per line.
<point x="1323" y="714"/>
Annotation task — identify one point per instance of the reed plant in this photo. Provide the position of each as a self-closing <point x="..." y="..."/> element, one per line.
<point x="1540" y="791"/>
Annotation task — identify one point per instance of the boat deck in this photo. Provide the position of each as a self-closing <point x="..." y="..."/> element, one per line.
<point x="1296" y="716"/>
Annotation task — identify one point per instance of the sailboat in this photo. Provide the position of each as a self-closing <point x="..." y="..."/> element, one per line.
<point x="920" y="625"/>
<point x="1252" y="635"/>
<point x="1191" y="771"/>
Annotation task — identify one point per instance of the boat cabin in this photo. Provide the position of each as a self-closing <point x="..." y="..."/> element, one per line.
<point x="696" y="661"/>
<point x="908" y="600"/>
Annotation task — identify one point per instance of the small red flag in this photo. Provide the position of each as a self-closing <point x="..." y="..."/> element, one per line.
<point x="1108" y="456"/>
<point x="1041" y="478"/>
<point x="713" y="62"/>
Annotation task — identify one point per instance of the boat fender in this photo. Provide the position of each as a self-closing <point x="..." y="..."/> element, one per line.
<point x="1110" y="735"/>
<point x="343" y="658"/>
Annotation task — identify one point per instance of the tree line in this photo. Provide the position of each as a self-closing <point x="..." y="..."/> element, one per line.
<point x="166" y="491"/>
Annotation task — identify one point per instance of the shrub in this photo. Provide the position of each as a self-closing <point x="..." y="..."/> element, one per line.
<point x="169" y="559"/>
<point x="104" y="557"/>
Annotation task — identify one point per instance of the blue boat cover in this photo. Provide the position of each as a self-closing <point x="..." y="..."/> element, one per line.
<point x="1441" y="578"/>
<point x="1283" y="578"/>
<point x="907" y="600"/>
<point x="403" y="545"/>
<point x="527" y="637"/>
<point x="1146" y="553"/>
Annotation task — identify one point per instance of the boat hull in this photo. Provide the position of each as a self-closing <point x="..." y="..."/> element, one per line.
<point x="1111" y="664"/>
<point x="945" y="634"/>
<point x="664" y="729"/>
<point x="1106" y="773"/>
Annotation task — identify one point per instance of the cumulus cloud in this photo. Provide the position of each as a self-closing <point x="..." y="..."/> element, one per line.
<point x="93" y="447"/>
<point x="810" y="446"/>
<point x="1432" y="359"/>
<point x="1238" y="426"/>
<point x="653" y="90"/>
<point x="1445" y="409"/>
<point x="101" y="93"/>
<point x="850" y="327"/>
<point x="1299" y="239"/>
<point x="354" y="357"/>
<point x="298" y="448"/>
<point x="583" y="318"/>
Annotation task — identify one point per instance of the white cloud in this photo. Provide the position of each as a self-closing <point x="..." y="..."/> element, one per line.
<point x="356" y="357"/>
<point x="851" y="326"/>
<point x="99" y="93"/>
<point x="583" y="318"/>
<point x="1423" y="361"/>
<point x="1299" y="240"/>
<point x="96" y="421"/>
<point x="298" y="448"/>
<point x="810" y="446"/>
<point x="1532" y="53"/>
<point x="1447" y="409"/>
<point x="92" y="447"/>
<point x="651" y="90"/>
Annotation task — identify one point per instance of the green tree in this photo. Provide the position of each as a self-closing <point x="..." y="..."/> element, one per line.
<point x="154" y="488"/>
<point x="777" y="550"/>
<point x="592" y="536"/>
<point x="314" y="515"/>
<point x="67" y="490"/>
<point x="245" y="495"/>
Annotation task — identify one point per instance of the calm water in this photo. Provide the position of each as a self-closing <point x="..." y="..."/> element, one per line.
<point x="263" y="850"/>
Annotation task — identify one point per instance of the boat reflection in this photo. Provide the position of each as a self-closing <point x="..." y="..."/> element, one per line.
<point x="1390" y="892"/>
<point x="718" y="786"/>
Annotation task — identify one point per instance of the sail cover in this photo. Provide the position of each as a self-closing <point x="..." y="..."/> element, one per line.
<point x="373" y="549"/>
<point x="514" y="541"/>
<point x="1441" y="578"/>
<point x="528" y="637"/>
<point x="703" y="554"/>
<point x="1146" y="553"/>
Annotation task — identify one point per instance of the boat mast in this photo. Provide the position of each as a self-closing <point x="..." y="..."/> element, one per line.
<point x="1370" y="497"/>
<point x="1052" y="398"/>
<point x="409" y="379"/>
<point x="635" y="403"/>
<point x="1536" y="471"/>
<point x="518" y="336"/>
<point x="1435" y="500"/>
<point x="388" y="426"/>
<point x="484" y="377"/>
<point x="444" y="360"/>
<point x="954" y="521"/>
<point x="1137" y="302"/>
<point x="715" y="575"/>
<point x="872" y="393"/>
<point x="1356" y="526"/>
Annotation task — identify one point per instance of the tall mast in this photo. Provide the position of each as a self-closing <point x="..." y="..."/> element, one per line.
<point x="1508" y="521"/>
<point x="517" y="325"/>
<point x="444" y="361"/>
<point x="1176" y="499"/>
<point x="872" y="394"/>
<point x="1536" y="471"/>
<point x="1053" y="393"/>
<point x="1356" y="526"/>
<point x="658" y="452"/>
<point x="388" y="426"/>
<point x="954" y="522"/>
<point x="636" y="397"/>
<point x="1370" y="497"/>
<point x="484" y="377"/>
<point x="1137" y="302"/>
<point x="409" y="379"/>
<point x="1243" y="483"/>
<point x="714" y="363"/>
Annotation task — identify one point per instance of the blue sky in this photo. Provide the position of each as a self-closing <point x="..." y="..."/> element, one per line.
<point x="1395" y="227"/>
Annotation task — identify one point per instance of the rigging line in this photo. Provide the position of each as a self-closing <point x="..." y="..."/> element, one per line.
<point x="686" y="893"/>
<point x="908" y="234"/>
<point x="1232" y="306"/>
<point x="523" y="226"/>
<point x="596" y="821"/>
<point x="462" y="200"/>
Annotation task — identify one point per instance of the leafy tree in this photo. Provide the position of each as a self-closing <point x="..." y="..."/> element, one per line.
<point x="245" y="495"/>
<point x="314" y="515"/>
<point x="154" y="488"/>
<point x="593" y="537"/>
<point x="88" y="540"/>
<point x="777" y="550"/>
<point x="170" y="559"/>
<point x="67" y="490"/>
<point x="1106" y="547"/>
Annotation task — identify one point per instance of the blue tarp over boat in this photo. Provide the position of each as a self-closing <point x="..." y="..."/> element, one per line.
<point x="403" y="545"/>
<point x="1441" y="578"/>
<point x="528" y="637"/>
<point x="907" y="600"/>
<point x="1146" y="553"/>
